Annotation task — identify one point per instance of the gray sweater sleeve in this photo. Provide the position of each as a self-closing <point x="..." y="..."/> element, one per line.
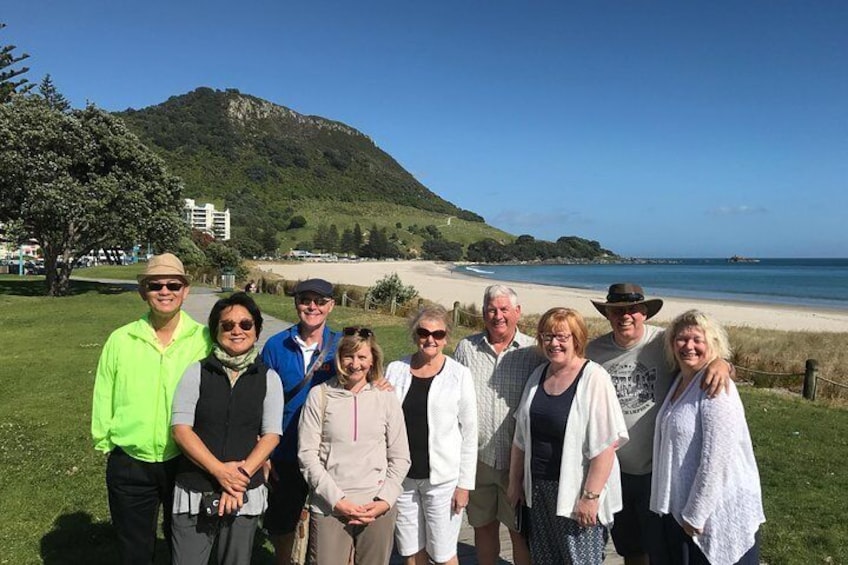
<point x="272" y="407"/>
<point x="186" y="396"/>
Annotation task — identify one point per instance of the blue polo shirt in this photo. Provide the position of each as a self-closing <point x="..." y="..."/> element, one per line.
<point x="283" y="354"/>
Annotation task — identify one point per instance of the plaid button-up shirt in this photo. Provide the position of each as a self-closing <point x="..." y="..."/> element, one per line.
<point x="499" y="381"/>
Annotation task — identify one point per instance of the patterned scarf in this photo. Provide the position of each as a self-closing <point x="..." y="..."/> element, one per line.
<point x="235" y="363"/>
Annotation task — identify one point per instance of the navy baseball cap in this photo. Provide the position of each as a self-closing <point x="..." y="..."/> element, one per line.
<point x="318" y="286"/>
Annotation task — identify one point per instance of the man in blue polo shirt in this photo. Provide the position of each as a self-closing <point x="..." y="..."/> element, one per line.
<point x="303" y="356"/>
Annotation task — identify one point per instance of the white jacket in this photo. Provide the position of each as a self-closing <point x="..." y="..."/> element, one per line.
<point x="452" y="419"/>
<point x="594" y="423"/>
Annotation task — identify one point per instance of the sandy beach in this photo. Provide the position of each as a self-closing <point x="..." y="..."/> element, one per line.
<point x="437" y="282"/>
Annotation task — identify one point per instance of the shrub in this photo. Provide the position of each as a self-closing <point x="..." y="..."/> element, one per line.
<point x="390" y="287"/>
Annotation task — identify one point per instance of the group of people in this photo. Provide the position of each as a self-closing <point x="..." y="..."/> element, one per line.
<point x="639" y="433"/>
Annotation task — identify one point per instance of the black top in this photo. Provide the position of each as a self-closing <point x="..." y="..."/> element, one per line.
<point x="418" y="427"/>
<point x="548" y="419"/>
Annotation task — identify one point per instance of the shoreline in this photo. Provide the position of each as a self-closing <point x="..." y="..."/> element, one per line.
<point x="437" y="281"/>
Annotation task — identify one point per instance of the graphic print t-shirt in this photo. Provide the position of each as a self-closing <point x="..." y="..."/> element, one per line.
<point x="641" y="377"/>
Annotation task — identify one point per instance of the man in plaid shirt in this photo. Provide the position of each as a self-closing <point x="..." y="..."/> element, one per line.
<point x="500" y="359"/>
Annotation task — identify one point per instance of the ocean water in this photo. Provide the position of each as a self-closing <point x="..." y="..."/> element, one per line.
<point x="795" y="282"/>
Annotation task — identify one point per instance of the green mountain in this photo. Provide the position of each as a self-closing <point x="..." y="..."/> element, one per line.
<point x="302" y="179"/>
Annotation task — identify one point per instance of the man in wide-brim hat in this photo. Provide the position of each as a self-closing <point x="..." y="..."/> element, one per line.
<point x="137" y="374"/>
<point x="633" y="355"/>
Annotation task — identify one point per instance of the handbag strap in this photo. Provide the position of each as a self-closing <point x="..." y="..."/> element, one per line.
<point x="308" y="376"/>
<point x="307" y="503"/>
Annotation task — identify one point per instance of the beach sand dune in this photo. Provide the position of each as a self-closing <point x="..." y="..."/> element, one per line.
<point x="437" y="281"/>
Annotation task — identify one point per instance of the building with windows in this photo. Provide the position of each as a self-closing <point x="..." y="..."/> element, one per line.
<point x="207" y="219"/>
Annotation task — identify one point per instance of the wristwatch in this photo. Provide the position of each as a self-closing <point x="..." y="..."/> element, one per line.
<point x="589" y="495"/>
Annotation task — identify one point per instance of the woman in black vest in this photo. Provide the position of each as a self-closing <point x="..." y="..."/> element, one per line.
<point x="227" y="418"/>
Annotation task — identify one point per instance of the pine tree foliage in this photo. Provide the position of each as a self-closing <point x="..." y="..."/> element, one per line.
<point x="11" y="80"/>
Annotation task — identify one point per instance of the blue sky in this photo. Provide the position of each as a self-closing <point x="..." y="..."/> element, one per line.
<point x="660" y="129"/>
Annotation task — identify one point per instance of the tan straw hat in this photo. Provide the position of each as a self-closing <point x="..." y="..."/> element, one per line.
<point x="166" y="264"/>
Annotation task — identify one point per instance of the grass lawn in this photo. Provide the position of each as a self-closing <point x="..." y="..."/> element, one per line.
<point x="52" y="487"/>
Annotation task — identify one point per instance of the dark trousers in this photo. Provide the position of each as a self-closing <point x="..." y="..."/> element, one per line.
<point x="136" y="489"/>
<point x="681" y="550"/>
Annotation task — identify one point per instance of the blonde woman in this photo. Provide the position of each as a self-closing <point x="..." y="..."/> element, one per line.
<point x="705" y="483"/>
<point x="354" y="455"/>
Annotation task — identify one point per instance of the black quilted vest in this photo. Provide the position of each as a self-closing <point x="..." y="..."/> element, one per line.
<point x="227" y="419"/>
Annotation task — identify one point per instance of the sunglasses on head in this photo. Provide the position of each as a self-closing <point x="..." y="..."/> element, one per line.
<point x="424" y="334"/>
<point x="307" y="300"/>
<point x="157" y="286"/>
<point x="229" y="325"/>
<point x="364" y="333"/>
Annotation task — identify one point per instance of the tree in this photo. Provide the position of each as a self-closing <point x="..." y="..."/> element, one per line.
<point x="442" y="250"/>
<point x="8" y="85"/>
<point x="52" y="96"/>
<point x="358" y="239"/>
<point x="79" y="181"/>
<point x="390" y="286"/>
<point x="296" y="222"/>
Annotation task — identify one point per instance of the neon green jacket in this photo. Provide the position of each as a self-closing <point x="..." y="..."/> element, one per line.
<point x="135" y="384"/>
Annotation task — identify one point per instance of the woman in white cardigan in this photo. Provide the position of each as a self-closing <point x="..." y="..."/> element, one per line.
<point x="563" y="464"/>
<point x="440" y="409"/>
<point x="705" y="483"/>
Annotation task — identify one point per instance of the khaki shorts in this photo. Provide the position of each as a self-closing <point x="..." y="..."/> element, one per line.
<point x="488" y="501"/>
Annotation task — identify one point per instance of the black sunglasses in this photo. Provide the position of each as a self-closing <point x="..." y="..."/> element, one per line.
<point x="157" y="286"/>
<point x="229" y="325"/>
<point x="307" y="300"/>
<point x="424" y="334"/>
<point x="364" y="333"/>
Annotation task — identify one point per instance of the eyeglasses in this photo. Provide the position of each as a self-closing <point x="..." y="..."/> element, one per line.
<point x="229" y="325"/>
<point x="153" y="286"/>
<point x="307" y="300"/>
<point x="425" y="333"/>
<point x="562" y="338"/>
<point x="622" y="310"/>
<point x="364" y="333"/>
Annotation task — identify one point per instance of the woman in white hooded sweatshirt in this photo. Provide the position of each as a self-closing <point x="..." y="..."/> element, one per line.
<point x="440" y="409"/>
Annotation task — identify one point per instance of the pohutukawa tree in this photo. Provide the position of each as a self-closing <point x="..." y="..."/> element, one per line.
<point x="80" y="180"/>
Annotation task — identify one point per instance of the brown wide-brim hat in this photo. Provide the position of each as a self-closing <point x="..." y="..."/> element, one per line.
<point x="628" y="294"/>
<point x="165" y="265"/>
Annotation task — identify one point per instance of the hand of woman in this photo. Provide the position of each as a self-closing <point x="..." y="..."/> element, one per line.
<point x="347" y="509"/>
<point x="230" y="478"/>
<point x="586" y="512"/>
<point x="230" y="504"/>
<point x="370" y="512"/>
<point x="691" y="530"/>
<point x="460" y="500"/>
<point x="515" y="493"/>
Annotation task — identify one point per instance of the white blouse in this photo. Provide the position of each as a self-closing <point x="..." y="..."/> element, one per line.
<point x="705" y="472"/>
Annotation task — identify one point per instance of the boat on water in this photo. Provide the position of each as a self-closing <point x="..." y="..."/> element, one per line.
<point x="740" y="259"/>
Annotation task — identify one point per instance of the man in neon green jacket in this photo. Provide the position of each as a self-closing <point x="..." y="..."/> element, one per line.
<point x="138" y="372"/>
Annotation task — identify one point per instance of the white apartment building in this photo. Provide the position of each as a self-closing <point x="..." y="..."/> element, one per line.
<point x="206" y="218"/>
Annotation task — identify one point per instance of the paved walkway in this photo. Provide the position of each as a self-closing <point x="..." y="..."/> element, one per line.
<point x="198" y="304"/>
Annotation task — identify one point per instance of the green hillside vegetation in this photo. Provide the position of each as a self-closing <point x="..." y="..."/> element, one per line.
<point x="224" y="144"/>
<point x="287" y="178"/>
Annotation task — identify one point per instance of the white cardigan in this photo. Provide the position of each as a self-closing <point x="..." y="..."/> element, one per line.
<point x="594" y="423"/>
<point x="705" y="471"/>
<point x="452" y="420"/>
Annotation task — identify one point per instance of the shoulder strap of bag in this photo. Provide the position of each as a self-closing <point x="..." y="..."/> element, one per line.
<point x="308" y="376"/>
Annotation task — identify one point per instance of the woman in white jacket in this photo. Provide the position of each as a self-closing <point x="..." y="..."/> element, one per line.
<point x="440" y="409"/>
<point x="705" y="483"/>
<point x="563" y="464"/>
